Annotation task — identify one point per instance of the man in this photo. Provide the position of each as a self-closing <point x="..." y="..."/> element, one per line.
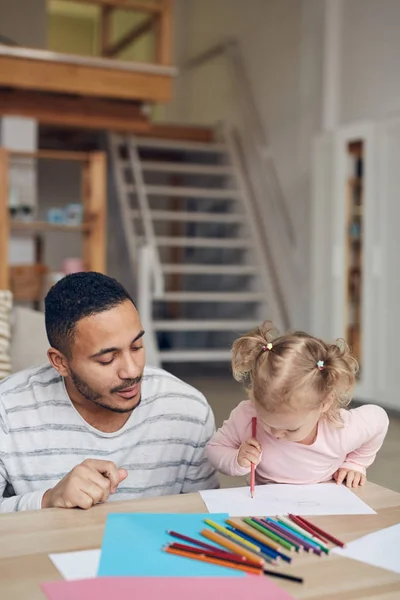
<point x="97" y="424"/>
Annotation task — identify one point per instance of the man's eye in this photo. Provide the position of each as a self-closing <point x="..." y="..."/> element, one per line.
<point x="108" y="362"/>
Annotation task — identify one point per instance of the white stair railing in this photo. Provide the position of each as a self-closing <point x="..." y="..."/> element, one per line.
<point x="268" y="277"/>
<point x="150" y="237"/>
<point x="260" y="166"/>
<point x="145" y="304"/>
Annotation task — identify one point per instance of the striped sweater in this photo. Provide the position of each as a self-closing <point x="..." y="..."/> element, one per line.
<point x="42" y="437"/>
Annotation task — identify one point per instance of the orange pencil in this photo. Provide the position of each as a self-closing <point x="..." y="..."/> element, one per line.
<point x="233" y="547"/>
<point x="215" y="561"/>
<point x="253" y="467"/>
<point x="257" y="536"/>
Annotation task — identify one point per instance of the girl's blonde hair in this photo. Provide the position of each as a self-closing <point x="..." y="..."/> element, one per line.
<point x="279" y="370"/>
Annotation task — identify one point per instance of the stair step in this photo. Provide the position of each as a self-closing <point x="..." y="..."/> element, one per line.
<point x="187" y="192"/>
<point x="205" y="269"/>
<point x="190" y="168"/>
<point x="213" y="147"/>
<point x="199" y="296"/>
<point x="192" y="216"/>
<point x="203" y="242"/>
<point x="204" y="325"/>
<point x="195" y="355"/>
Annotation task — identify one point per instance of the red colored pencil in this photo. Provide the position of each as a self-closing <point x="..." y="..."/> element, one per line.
<point x="215" y="561"/>
<point x="321" y="533"/>
<point x="186" y="538"/>
<point x="253" y="467"/>
<point x="300" y="523"/>
<point x="215" y="554"/>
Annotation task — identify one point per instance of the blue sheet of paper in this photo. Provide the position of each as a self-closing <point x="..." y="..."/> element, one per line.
<point x="132" y="546"/>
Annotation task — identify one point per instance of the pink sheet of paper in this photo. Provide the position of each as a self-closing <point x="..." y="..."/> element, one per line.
<point x="171" y="588"/>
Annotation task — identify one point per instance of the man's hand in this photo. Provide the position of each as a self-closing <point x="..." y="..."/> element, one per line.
<point x="349" y="477"/>
<point x="249" y="452"/>
<point x="87" y="484"/>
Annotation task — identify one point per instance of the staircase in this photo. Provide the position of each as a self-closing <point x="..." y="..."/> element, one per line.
<point x="203" y="273"/>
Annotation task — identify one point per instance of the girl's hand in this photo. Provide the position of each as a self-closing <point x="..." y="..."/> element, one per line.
<point x="249" y="453"/>
<point x="350" y="478"/>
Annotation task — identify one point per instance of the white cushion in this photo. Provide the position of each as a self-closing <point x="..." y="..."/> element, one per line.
<point x="5" y="332"/>
<point x="29" y="342"/>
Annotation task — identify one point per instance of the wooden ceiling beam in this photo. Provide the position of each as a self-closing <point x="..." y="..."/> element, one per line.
<point x="69" y="111"/>
<point x="137" y="5"/>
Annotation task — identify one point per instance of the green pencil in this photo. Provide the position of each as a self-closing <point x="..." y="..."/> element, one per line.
<point x="304" y="533"/>
<point x="268" y="533"/>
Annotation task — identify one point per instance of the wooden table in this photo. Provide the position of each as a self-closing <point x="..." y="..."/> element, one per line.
<point x="26" y="539"/>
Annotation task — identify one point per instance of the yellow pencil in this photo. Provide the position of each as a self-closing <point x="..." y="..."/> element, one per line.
<point x="232" y="535"/>
<point x="258" y="537"/>
<point x="230" y="545"/>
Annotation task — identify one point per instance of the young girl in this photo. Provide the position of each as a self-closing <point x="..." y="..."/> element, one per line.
<point x="298" y="388"/>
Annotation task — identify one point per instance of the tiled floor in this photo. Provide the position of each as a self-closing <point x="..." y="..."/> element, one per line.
<point x="224" y="394"/>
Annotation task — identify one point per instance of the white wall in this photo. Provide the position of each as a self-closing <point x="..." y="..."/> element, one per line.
<point x="24" y="21"/>
<point x="370" y="59"/>
<point x="281" y="46"/>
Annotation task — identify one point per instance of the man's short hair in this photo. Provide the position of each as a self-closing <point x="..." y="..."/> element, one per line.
<point x="75" y="297"/>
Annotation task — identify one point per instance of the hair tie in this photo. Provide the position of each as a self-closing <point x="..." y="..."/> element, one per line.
<point x="267" y="347"/>
<point x="320" y="364"/>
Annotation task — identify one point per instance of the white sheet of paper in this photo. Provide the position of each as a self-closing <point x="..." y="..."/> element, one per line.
<point x="280" y="499"/>
<point x="380" y="549"/>
<point x="77" y="565"/>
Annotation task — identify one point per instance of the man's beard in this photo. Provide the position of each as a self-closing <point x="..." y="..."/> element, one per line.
<point x="90" y="394"/>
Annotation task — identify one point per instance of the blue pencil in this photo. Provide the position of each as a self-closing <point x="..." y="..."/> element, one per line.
<point x="298" y="534"/>
<point x="306" y="543"/>
<point x="264" y="549"/>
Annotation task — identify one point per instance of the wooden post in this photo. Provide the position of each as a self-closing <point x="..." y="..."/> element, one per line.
<point x="163" y="34"/>
<point x="4" y="221"/>
<point x="105" y="29"/>
<point x="95" y="212"/>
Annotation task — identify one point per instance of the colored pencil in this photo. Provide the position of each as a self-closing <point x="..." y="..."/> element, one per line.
<point x="186" y="538"/>
<point x="253" y="467"/>
<point x="215" y="553"/>
<point x="283" y="576"/>
<point x="264" y="550"/>
<point x="232" y="565"/>
<point x="283" y="534"/>
<point x="296" y="537"/>
<point x="231" y="534"/>
<point x="232" y="546"/>
<point x="214" y="561"/>
<point x="297" y="520"/>
<point x="263" y="529"/>
<point x="306" y="542"/>
<point x="304" y="533"/>
<point x="242" y="542"/>
<point x="240" y="525"/>
<point x="320" y="532"/>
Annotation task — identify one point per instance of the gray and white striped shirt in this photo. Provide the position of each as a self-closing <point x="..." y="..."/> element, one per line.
<point x="42" y="437"/>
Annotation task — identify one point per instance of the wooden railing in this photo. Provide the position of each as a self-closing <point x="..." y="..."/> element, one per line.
<point x="158" y="20"/>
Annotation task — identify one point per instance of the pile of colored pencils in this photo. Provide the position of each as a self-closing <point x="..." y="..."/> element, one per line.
<point x="250" y="544"/>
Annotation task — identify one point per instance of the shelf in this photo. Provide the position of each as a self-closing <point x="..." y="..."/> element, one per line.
<point x="357" y="211"/>
<point x="355" y="182"/>
<point x="52" y="155"/>
<point x="38" y="226"/>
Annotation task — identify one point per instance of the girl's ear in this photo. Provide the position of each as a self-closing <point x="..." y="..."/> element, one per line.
<point x="328" y="402"/>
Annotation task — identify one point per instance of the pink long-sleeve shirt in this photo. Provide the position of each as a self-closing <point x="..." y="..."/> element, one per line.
<point x="352" y="447"/>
